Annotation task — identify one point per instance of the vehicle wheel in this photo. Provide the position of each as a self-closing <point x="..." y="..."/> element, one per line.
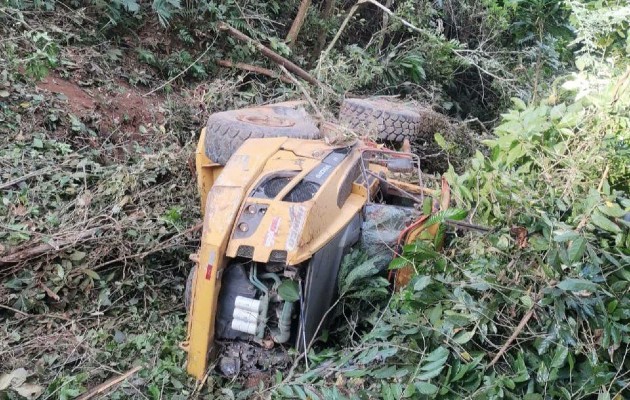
<point x="391" y="121"/>
<point x="190" y="281"/>
<point x="226" y="131"/>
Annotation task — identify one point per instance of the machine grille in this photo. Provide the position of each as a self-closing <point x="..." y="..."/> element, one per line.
<point x="303" y="191"/>
<point x="273" y="186"/>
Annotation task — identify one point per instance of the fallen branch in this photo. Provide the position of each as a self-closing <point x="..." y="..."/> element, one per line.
<point x="41" y="249"/>
<point x="516" y="332"/>
<point x="109" y="384"/>
<point x="15" y="310"/>
<point x="305" y="93"/>
<point x="275" y="57"/>
<point x="157" y="248"/>
<point x="254" y="69"/>
<point x="23" y="178"/>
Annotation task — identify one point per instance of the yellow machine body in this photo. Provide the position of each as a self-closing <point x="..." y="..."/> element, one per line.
<point x="238" y="221"/>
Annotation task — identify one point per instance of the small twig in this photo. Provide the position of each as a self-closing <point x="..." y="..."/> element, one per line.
<point x="587" y="215"/>
<point x="49" y="292"/>
<point x="513" y="337"/>
<point x="107" y="385"/>
<point x="604" y="176"/>
<point x="390" y="12"/>
<point x="15" y="310"/>
<point x="182" y="72"/>
<point x="157" y="248"/>
<point x="23" y="178"/>
<point x="304" y="92"/>
<point x="254" y="68"/>
<point x="36" y="251"/>
<point x="324" y="54"/>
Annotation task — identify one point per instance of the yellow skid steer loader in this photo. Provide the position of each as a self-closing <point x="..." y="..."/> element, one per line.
<point x="281" y="207"/>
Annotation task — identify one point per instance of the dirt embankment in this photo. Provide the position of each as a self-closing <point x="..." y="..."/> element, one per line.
<point x="110" y="108"/>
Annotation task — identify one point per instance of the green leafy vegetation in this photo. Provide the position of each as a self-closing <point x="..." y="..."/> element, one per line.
<point x="101" y="103"/>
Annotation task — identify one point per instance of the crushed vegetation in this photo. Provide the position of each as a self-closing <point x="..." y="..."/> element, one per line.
<point x="527" y="108"/>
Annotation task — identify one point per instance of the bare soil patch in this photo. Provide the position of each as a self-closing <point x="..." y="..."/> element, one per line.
<point x="110" y="108"/>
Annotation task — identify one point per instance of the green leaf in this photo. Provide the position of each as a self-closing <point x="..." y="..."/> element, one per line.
<point x="289" y="291"/>
<point x="463" y="337"/>
<point x="566" y="236"/>
<point x="130" y="5"/>
<point x="439" y="139"/>
<point x="576" y="285"/>
<point x="286" y="391"/>
<point x="429" y="374"/>
<point x="576" y="249"/>
<point x="456" y="214"/>
<point x="559" y="357"/>
<point x="77" y="256"/>
<point x="426" y="388"/>
<point x="612" y="210"/>
<point x="421" y="283"/>
<point x="514" y="154"/>
<point x="604" y="223"/>
<point x="398" y="262"/>
<point x="518" y="103"/>
<point x="437" y="354"/>
<point x="384" y="372"/>
<point x="91" y="273"/>
<point x="421" y="250"/>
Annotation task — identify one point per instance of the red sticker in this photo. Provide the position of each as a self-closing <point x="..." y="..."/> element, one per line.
<point x="209" y="271"/>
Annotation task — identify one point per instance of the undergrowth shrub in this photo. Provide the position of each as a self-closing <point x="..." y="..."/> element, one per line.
<point x="536" y="308"/>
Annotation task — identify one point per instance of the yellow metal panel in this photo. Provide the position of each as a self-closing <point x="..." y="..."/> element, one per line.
<point x="222" y="205"/>
<point x="207" y="170"/>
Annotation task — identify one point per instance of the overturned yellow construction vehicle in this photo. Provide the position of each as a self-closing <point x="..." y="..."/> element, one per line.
<point x="282" y="206"/>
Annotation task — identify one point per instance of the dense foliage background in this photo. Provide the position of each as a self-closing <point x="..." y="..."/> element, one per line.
<point x="529" y="102"/>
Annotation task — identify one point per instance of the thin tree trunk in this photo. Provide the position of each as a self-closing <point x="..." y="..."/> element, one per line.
<point x="298" y="22"/>
<point x="381" y="40"/>
<point x="329" y="6"/>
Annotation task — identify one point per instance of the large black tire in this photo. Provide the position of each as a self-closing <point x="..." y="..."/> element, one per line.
<point x="389" y="121"/>
<point x="226" y="131"/>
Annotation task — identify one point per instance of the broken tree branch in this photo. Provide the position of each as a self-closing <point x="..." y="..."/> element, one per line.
<point x="109" y="384"/>
<point x="515" y="334"/>
<point x="163" y="245"/>
<point x="298" y="22"/>
<point x="41" y="249"/>
<point x="253" y="68"/>
<point x="23" y="178"/>
<point x="320" y="116"/>
<point x="275" y="57"/>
